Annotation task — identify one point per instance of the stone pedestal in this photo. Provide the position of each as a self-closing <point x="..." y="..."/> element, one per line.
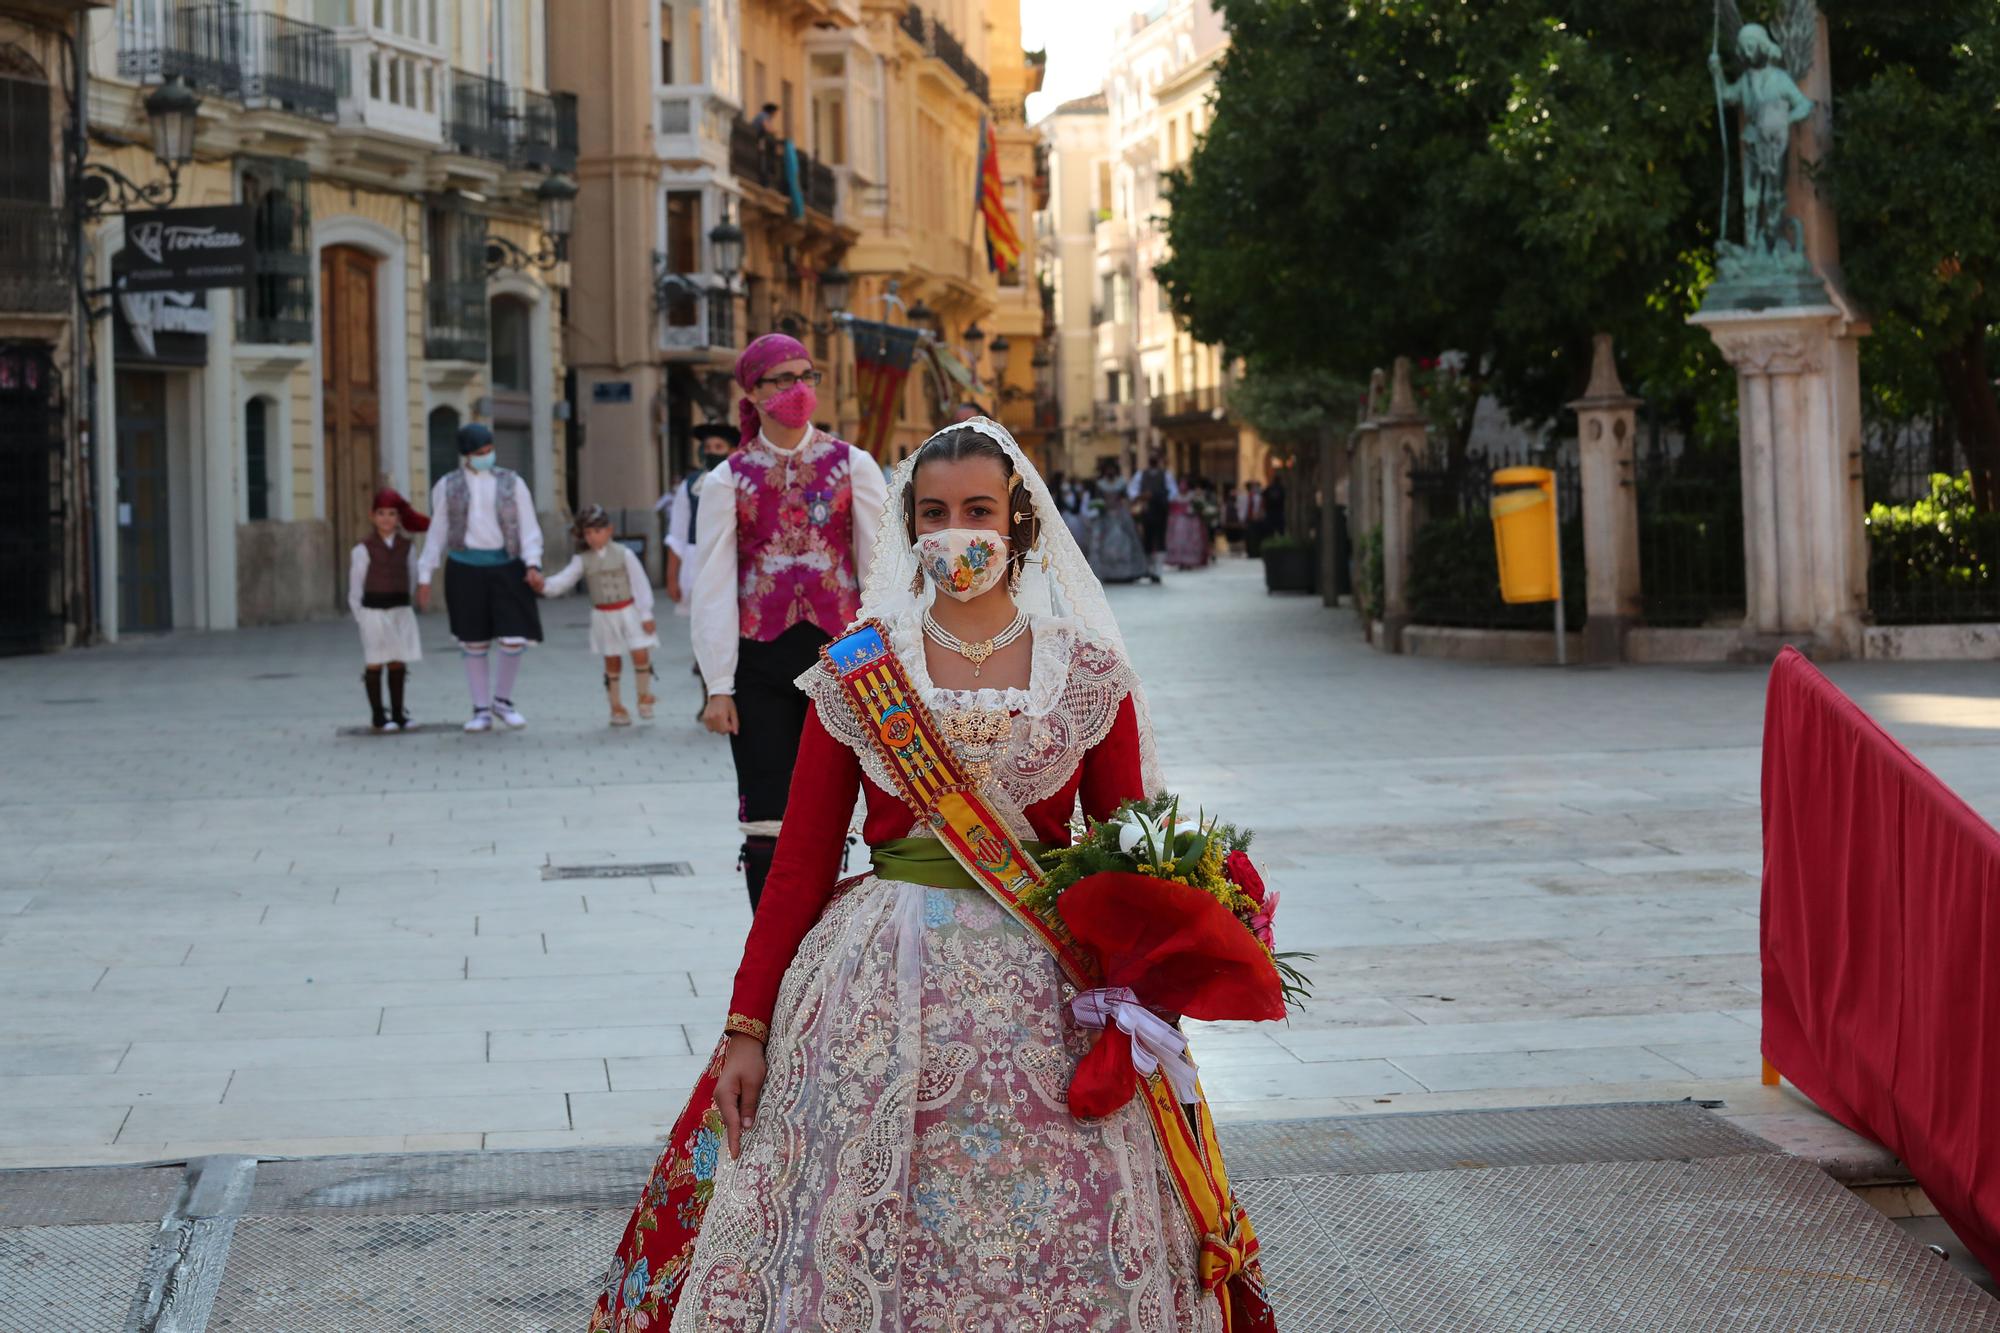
<point x="1606" y="428"/>
<point x="1400" y="443"/>
<point x="1798" y="391"/>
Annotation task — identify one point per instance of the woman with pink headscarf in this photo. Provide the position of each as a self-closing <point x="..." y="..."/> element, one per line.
<point x="779" y="575"/>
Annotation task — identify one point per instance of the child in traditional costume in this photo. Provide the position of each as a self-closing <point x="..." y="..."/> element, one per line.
<point x="621" y="616"/>
<point x="780" y="554"/>
<point x="491" y="549"/>
<point x="381" y="573"/>
<point x="882" y="1142"/>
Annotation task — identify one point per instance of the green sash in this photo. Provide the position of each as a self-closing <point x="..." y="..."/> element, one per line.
<point x="929" y="862"/>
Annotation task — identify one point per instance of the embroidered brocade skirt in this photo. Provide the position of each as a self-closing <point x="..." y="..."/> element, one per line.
<point x="914" y="1164"/>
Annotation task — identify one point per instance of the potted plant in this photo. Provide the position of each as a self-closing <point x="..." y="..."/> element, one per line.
<point x="1288" y="564"/>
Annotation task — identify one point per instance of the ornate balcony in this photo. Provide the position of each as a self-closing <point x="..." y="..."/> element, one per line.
<point x="477" y="116"/>
<point x="201" y="44"/>
<point x="943" y="44"/>
<point x="292" y="66"/>
<point x="544" y="130"/>
<point x="692" y="126"/>
<point x="758" y="158"/>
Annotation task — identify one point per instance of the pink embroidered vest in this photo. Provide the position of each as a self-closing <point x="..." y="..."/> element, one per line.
<point x="795" y="537"/>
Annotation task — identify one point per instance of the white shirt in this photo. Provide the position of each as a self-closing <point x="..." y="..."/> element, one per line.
<point x="642" y="591"/>
<point x="712" y="595"/>
<point x="357" y="570"/>
<point x="482" y="521"/>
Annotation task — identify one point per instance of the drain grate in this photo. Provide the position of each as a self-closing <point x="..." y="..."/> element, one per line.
<point x="632" y="870"/>
<point x="276" y="675"/>
<point x="81" y="700"/>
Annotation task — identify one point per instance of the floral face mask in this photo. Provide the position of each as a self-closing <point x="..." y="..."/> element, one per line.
<point x="963" y="562"/>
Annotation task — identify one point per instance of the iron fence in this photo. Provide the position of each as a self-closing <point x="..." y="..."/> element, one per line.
<point x="1933" y="536"/>
<point x="34" y="258"/>
<point x="1454" y="574"/>
<point x="1690" y="502"/>
<point x="293" y="66"/>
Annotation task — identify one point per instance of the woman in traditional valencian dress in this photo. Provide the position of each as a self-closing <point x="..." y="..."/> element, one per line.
<point x="883" y="1142"/>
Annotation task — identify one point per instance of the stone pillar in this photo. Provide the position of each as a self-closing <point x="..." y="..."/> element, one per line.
<point x="1332" y="472"/>
<point x="1607" y="421"/>
<point x="1401" y="444"/>
<point x="1798" y="389"/>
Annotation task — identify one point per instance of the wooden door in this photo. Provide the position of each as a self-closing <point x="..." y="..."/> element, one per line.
<point x="145" y="568"/>
<point x="350" y="381"/>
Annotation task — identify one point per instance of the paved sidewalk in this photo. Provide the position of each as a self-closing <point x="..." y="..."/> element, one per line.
<point x="229" y="924"/>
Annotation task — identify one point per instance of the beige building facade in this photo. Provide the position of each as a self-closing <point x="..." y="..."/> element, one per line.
<point x="706" y="220"/>
<point x="390" y="153"/>
<point x="1151" y="386"/>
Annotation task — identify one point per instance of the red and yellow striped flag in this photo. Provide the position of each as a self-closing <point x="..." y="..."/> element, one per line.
<point x="1003" y="242"/>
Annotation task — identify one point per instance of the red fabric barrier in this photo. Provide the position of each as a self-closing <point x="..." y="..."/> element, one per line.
<point x="1881" y="946"/>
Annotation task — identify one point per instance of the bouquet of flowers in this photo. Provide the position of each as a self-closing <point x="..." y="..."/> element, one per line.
<point x="1179" y="922"/>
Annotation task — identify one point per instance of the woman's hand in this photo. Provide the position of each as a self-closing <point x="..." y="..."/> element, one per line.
<point x="720" y="715"/>
<point x="739" y="1086"/>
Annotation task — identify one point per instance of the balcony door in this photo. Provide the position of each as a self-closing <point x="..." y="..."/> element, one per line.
<point x="350" y="383"/>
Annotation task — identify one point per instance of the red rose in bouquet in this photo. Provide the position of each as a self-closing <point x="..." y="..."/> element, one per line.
<point x="1244" y="876"/>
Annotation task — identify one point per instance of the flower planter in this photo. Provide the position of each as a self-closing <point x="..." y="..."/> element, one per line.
<point x="1289" y="568"/>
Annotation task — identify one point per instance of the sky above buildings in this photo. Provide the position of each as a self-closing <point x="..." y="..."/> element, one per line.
<point x="1077" y="34"/>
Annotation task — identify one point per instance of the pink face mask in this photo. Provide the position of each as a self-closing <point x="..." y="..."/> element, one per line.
<point x="793" y="407"/>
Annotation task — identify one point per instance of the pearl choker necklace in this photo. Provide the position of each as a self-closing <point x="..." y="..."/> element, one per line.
<point x="975" y="653"/>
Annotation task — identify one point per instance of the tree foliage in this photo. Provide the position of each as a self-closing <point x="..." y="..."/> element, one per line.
<point x="1401" y="177"/>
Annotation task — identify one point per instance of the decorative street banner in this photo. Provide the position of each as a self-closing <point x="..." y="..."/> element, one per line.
<point x="188" y="249"/>
<point x="882" y="357"/>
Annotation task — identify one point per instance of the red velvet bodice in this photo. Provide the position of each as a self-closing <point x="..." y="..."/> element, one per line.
<point x="825" y="783"/>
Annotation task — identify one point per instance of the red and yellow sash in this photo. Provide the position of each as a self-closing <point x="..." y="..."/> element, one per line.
<point x="931" y="780"/>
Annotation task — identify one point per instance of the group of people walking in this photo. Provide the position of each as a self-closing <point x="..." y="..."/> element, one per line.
<point x="1134" y="527"/>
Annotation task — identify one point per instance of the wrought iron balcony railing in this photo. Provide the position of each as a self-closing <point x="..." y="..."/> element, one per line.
<point x="455" y="321"/>
<point x="759" y="158"/>
<point x="477" y="116"/>
<point x="291" y="65"/>
<point x="941" y="42"/>
<point x="201" y="44"/>
<point x="1189" y="404"/>
<point x="34" y="259"/>
<point x="545" y="132"/>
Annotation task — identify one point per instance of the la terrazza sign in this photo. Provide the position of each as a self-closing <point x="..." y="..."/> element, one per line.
<point x="188" y="249"/>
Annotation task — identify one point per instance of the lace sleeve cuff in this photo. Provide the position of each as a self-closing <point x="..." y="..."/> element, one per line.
<point x="744" y="1026"/>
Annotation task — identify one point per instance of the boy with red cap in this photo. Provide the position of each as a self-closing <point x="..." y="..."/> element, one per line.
<point x="380" y="574"/>
<point x="782" y="545"/>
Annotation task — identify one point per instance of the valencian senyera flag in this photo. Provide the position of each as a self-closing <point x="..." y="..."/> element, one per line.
<point x="1003" y="242"/>
<point x="882" y="357"/>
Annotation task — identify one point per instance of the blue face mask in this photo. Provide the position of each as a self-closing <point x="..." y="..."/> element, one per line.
<point x="482" y="462"/>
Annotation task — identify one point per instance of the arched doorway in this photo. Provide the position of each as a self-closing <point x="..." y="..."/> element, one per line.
<point x="441" y="436"/>
<point x="350" y="381"/>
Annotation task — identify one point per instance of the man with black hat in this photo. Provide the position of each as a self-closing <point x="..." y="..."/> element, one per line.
<point x="485" y="533"/>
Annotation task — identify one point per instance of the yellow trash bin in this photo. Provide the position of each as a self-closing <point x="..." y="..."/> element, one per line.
<point x="1524" y="534"/>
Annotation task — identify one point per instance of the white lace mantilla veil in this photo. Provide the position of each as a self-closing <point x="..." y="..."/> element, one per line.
<point x="1056" y="582"/>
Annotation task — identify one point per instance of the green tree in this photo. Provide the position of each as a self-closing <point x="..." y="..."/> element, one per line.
<point x="1915" y="175"/>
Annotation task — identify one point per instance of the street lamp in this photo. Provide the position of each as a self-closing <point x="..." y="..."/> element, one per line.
<point x="922" y="315"/>
<point x="834" y="285"/>
<point x="556" y="199"/>
<point x="172" y="112"/>
<point x="1002" y="352"/>
<point x="727" y="238"/>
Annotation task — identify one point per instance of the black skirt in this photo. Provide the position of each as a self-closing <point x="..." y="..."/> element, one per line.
<point x="488" y="602"/>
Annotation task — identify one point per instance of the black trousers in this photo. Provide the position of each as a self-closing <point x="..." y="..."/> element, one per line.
<point x="770" y="718"/>
<point x="1153" y="525"/>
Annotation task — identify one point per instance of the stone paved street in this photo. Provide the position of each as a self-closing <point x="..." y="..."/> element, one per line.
<point x="227" y="922"/>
